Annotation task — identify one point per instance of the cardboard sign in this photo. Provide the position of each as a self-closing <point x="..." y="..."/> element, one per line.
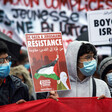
<point x="47" y="60"/>
<point x="100" y="27"/>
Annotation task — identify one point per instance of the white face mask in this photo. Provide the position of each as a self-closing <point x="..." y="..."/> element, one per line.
<point x="109" y="79"/>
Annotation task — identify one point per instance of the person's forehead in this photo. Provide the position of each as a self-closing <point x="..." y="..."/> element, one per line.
<point x="3" y="55"/>
<point x="110" y="71"/>
<point x="88" y="54"/>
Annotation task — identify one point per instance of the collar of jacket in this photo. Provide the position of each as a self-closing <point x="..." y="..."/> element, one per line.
<point x="15" y="82"/>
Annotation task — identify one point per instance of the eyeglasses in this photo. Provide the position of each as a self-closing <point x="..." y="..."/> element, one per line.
<point x="2" y="60"/>
<point x="89" y="57"/>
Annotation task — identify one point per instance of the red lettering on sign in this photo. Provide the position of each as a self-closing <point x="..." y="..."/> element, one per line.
<point x="22" y="2"/>
<point x="80" y="4"/>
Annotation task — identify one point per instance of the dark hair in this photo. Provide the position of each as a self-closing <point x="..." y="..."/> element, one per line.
<point x="86" y="48"/>
<point x="3" y="48"/>
<point x="22" y="57"/>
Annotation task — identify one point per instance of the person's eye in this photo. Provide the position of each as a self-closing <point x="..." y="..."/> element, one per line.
<point x="88" y="57"/>
<point x="8" y="58"/>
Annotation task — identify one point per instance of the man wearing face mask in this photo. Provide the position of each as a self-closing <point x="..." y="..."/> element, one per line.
<point x="81" y="64"/>
<point x="12" y="90"/>
<point x="105" y="71"/>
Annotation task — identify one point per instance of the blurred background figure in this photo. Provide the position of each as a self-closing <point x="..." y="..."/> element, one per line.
<point x="105" y="71"/>
<point x="99" y="59"/>
<point x="22" y="60"/>
<point x="21" y="72"/>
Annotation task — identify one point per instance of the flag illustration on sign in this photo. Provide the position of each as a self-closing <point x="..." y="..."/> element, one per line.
<point x="49" y="71"/>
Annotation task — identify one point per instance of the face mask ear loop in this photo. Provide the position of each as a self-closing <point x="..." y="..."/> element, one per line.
<point x="79" y="62"/>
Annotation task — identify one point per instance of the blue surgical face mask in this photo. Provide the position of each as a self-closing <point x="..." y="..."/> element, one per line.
<point x="4" y="70"/>
<point x="27" y="66"/>
<point x="89" y="68"/>
<point x="109" y="79"/>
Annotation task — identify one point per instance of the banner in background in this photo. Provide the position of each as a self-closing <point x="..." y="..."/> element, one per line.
<point x="63" y="105"/>
<point x="18" y="17"/>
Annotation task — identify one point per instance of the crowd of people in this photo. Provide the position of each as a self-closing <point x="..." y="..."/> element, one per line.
<point x="16" y="84"/>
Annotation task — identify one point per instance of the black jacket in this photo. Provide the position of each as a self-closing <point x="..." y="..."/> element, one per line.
<point x="12" y="90"/>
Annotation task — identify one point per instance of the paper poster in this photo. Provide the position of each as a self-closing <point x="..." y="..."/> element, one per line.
<point x="47" y="61"/>
<point x="100" y="27"/>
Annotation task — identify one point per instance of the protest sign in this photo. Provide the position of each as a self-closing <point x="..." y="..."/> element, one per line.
<point x="100" y="27"/>
<point x="47" y="60"/>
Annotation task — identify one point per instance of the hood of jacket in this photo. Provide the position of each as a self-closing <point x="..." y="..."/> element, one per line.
<point x="104" y="67"/>
<point x="21" y="70"/>
<point x="71" y="59"/>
